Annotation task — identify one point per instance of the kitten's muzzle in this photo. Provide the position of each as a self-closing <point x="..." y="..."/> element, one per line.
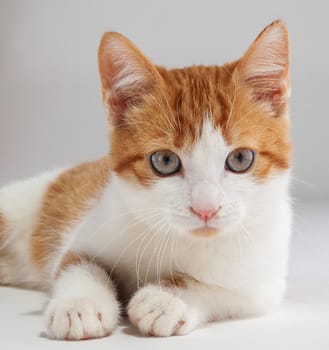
<point x="205" y="200"/>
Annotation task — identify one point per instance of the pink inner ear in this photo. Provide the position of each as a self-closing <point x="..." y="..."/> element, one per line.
<point x="265" y="67"/>
<point x="126" y="75"/>
<point x="271" y="89"/>
<point x="117" y="106"/>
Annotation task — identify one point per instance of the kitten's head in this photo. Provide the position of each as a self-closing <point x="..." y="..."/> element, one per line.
<point x="199" y="148"/>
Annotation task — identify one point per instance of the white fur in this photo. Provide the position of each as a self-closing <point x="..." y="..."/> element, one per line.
<point x="84" y="304"/>
<point x="160" y="313"/>
<point x="143" y="234"/>
<point x="269" y="54"/>
<point x="130" y="72"/>
<point x="20" y="203"/>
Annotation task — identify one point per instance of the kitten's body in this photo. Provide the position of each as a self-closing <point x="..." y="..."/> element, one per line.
<point x="62" y="230"/>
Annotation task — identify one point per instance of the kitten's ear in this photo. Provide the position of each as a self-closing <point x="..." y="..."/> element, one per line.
<point x="265" y="67"/>
<point x="126" y="75"/>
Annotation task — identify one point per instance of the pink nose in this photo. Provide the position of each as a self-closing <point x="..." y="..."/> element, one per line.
<point x="205" y="214"/>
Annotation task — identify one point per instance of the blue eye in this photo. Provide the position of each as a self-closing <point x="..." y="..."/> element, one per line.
<point x="240" y="160"/>
<point x="165" y="162"/>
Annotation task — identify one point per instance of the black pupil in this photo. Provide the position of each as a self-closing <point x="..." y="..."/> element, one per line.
<point x="166" y="160"/>
<point x="240" y="157"/>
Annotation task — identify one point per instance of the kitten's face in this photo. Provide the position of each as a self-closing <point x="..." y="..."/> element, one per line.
<point x="198" y="147"/>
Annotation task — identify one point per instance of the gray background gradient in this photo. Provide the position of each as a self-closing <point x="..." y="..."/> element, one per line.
<point x="51" y="115"/>
<point x="50" y="107"/>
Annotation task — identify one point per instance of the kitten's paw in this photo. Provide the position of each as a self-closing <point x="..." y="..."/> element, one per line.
<point x="158" y="313"/>
<point x="78" y="319"/>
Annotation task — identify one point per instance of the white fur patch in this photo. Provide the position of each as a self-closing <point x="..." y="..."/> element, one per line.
<point x="158" y="312"/>
<point x="20" y="203"/>
<point x="83" y="306"/>
<point x="142" y="234"/>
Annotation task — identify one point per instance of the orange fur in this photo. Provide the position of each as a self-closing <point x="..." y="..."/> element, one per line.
<point x="70" y="259"/>
<point x="190" y="92"/>
<point x="274" y="85"/>
<point x="205" y="232"/>
<point x="66" y="200"/>
<point x="169" y="106"/>
<point x="110" y="68"/>
<point x="165" y="109"/>
<point x="175" y="281"/>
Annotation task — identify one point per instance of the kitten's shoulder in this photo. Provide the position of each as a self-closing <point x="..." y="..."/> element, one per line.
<point x="85" y="179"/>
<point x="46" y="205"/>
<point x="65" y="202"/>
<point x="72" y="192"/>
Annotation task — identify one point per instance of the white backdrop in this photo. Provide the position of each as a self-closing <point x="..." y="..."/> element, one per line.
<point x="50" y="107"/>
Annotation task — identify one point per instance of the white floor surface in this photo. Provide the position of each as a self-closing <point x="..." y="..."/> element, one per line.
<point x="301" y="323"/>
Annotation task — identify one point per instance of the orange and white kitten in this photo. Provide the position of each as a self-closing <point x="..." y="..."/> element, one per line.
<point x="188" y="218"/>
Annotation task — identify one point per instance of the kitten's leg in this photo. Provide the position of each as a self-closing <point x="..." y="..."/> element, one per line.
<point x="83" y="304"/>
<point x="182" y="304"/>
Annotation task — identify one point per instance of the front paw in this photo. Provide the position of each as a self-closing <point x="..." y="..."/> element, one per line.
<point x="158" y="313"/>
<point x="77" y="319"/>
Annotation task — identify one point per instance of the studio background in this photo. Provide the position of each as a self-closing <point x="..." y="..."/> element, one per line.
<point x="51" y="114"/>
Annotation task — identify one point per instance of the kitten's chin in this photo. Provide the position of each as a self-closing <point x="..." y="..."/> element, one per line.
<point x="205" y="231"/>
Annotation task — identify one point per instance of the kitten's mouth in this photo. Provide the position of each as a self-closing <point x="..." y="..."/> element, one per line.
<point x="205" y="231"/>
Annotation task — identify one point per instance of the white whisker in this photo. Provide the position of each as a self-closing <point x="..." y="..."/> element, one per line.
<point x="159" y="225"/>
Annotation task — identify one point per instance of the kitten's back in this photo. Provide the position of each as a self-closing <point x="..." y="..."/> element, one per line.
<point x="20" y="204"/>
<point x="34" y="215"/>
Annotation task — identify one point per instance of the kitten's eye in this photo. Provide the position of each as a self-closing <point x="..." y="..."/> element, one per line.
<point x="240" y="160"/>
<point x="165" y="162"/>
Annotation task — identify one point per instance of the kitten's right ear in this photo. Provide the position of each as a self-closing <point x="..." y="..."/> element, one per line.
<point x="126" y="75"/>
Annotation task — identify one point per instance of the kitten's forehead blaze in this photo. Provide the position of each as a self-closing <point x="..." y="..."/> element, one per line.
<point x="173" y="117"/>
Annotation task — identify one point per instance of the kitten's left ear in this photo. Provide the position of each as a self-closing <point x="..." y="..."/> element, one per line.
<point x="265" y="67"/>
<point x="126" y="75"/>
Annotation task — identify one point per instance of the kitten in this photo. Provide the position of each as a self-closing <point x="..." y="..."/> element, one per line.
<point x="188" y="218"/>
